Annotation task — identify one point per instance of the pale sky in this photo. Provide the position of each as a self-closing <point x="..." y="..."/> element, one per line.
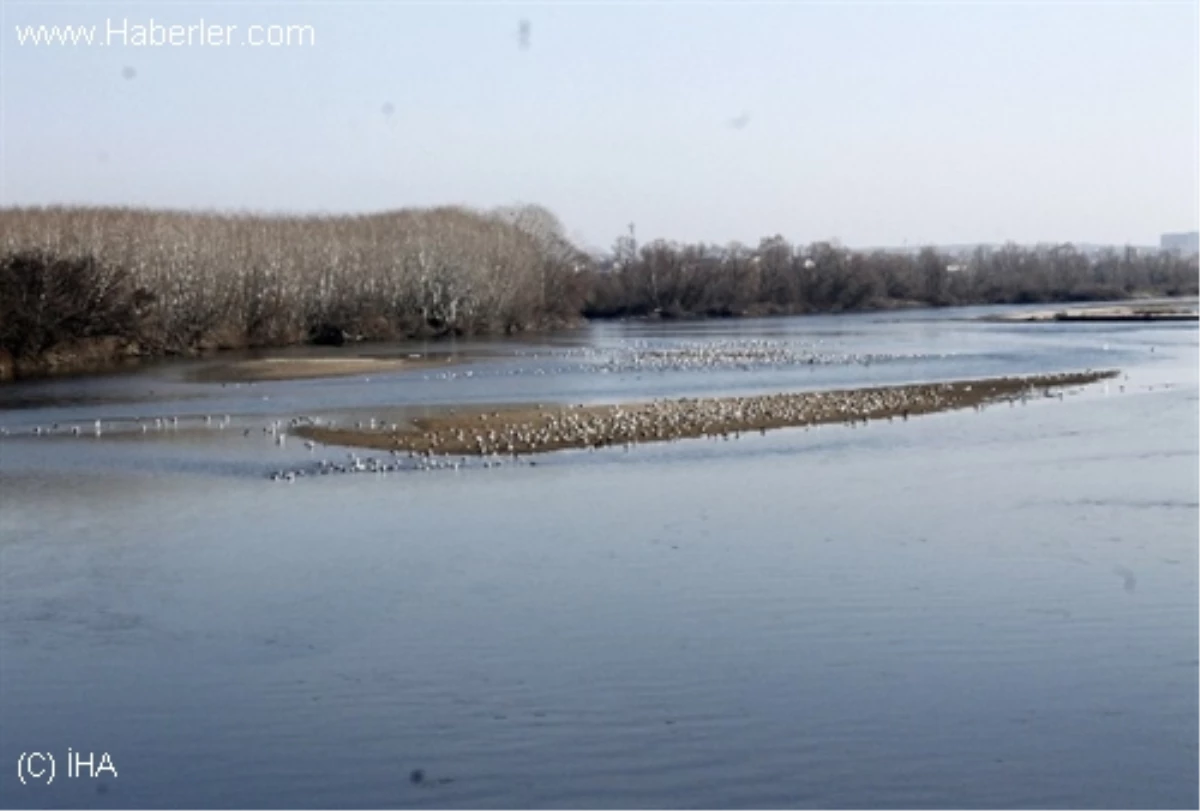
<point x="872" y="123"/>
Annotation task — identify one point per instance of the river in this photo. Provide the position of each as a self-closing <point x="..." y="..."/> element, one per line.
<point x="991" y="608"/>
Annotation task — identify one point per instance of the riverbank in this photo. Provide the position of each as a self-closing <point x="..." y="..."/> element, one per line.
<point x="523" y="430"/>
<point x="1142" y="311"/>
<point x="264" y="369"/>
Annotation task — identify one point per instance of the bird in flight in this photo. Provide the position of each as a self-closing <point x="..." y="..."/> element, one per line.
<point x="740" y="122"/>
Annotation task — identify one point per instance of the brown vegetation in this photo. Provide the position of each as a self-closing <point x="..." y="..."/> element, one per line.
<point x="164" y="282"/>
<point x="670" y="280"/>
<point x="59" y="311"/>
<point x="81" y="286"/>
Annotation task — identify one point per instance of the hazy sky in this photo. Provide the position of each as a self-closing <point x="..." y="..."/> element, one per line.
<point x="874" y="123"/>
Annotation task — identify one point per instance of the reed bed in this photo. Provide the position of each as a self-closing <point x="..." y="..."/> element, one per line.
<point x="152" y="283"/>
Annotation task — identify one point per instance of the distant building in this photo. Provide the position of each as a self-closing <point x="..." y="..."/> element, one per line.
<point x="1185" y="243"/>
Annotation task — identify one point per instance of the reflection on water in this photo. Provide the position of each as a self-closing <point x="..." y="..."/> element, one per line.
<point x="968" y="609"/>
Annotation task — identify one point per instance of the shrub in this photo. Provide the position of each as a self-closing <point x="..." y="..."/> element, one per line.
<point x="47" y="300"/>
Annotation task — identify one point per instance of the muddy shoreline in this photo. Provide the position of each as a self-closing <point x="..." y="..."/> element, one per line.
<point x="1147" y="311"/>
<point x="524" y="430"/>
<point x="282" y="368"/>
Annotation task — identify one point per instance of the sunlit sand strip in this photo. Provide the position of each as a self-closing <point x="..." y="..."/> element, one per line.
<point x="1153" y="311"/>
<point x="264" y="369"/>
<point x="522" y="430"/>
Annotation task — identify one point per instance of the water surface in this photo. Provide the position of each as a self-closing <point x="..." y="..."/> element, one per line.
<point x="972" y="609"/>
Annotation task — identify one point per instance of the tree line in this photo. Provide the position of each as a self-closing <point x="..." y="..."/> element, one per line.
<point x="154" y="282"/>
<point x="673" y="280"/>
<point x="173" y="282"/>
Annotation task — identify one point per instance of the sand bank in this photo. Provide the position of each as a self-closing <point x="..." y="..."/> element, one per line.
<point x="524" y="429"/>
<point x="264" y="369"/>
<point x="1120" y="312"/>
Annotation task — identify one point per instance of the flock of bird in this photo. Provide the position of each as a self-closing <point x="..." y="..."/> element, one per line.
<point x="395" y="462"/>
<point x="726" y="355"/>
<point x="644" y="356"/>
<point x="277" y="429"/>
<point x="513" y="435"/>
